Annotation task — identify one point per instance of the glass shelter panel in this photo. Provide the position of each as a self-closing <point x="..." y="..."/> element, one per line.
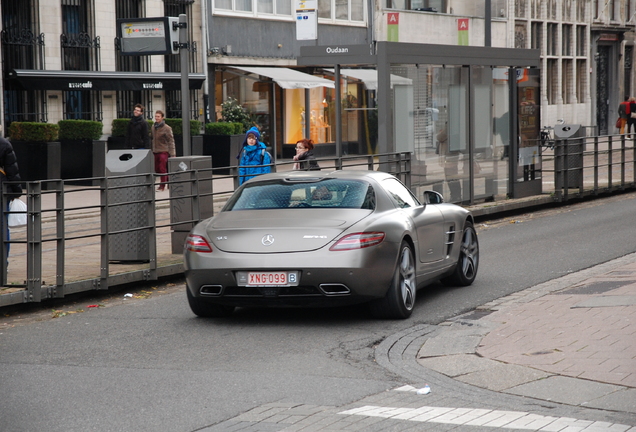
<point x="456" y="123"/>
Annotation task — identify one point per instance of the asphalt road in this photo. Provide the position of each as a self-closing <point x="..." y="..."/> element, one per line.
<point x="148" y="364"/>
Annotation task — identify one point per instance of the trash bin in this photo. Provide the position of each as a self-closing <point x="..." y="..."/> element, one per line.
<point x="134" y="245"/>
<point x="181" y="190"/>
<point x="571" y="151"/>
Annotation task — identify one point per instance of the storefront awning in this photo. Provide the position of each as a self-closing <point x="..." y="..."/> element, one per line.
<point x="102" y="80"/>
<point x="289" y="78"/>
<point x="370" y="77"/>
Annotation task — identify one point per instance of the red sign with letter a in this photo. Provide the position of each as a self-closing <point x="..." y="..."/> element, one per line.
<point x="462" y="24"/>
<point x="393" y="18"/>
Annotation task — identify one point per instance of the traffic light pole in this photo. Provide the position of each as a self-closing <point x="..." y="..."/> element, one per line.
<point x="185" y="87"/>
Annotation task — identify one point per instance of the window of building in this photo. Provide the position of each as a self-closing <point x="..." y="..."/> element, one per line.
<point x="553" y="39"/>
<point x="567" y="74"/>
<point x="552" y="81"/>
<point x="552" y="9"/>
<point x="566" y="40"/>
<point x="581" y="43"/>
<point x="580" y="10"/>
<point x="22" y="48"/>
<point x="80" y="51"/>
<point x="520" y="35"/>
<point x="567" y="10"/>
<point x="520" y="8"/>
<point x="421" y="5"/>
<point x="581" y="80"/>
<point x="535" y="9"/>
<point x="536" y="29"/>
<point x="335" y="10"/>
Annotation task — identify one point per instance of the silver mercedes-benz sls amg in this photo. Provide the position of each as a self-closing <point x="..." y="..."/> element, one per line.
<point x="307" y="238"/>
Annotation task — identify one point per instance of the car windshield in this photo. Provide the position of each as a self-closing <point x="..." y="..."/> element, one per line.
<point x="328" y="193"/>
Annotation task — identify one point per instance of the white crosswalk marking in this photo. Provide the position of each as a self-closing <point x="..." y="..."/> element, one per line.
<point x="488" y="418"/>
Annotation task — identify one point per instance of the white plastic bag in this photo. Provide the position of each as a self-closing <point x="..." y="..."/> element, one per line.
<point x="17" y="219"/>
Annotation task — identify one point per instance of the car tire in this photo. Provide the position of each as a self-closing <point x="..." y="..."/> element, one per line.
<point x="468" y="261"/>
<point x="399" y="301"/>
<point x="205" y="309"/>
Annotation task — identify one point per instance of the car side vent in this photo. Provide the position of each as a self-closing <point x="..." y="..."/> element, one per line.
<point x="450" y="239"/>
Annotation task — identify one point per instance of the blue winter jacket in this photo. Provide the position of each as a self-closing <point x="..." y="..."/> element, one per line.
<point x="251" y="156"/>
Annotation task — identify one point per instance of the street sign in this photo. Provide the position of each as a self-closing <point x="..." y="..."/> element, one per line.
<point x="148" y="36"/>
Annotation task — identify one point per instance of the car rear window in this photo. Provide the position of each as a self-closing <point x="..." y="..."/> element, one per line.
<point x="329" y="193"/>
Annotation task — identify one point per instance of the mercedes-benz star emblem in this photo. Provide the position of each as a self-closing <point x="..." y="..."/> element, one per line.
<point x="267" y="240"/>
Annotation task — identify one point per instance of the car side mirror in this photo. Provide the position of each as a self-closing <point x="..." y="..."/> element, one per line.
<point x="432" y="197"/>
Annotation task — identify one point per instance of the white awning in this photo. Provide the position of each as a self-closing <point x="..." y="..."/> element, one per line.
<point x="370" y="77"/>
<point x="289" y="78"/>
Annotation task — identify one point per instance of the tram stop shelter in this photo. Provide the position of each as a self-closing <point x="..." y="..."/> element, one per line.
<point x="471" y="129"/>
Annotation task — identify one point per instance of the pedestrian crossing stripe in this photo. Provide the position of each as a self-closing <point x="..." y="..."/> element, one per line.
<point x="488" y="418"/>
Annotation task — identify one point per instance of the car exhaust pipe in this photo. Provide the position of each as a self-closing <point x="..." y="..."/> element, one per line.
<point x="334" y="289"/>
<point x="211" y="290"/>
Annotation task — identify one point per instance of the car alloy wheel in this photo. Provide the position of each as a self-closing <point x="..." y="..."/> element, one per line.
<point x="468" y="260"/>
<point x="399" y="300"/>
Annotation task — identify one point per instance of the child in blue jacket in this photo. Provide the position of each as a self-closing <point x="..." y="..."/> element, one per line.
<point x="254" y="153"/>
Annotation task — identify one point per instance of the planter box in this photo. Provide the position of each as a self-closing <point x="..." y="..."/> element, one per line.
<point x="196" y="142"/>
<point x="223" y="149"/>
<point x="83" y="159"/>
<point x="38" y="161"/>
<point x="117" y="143"/>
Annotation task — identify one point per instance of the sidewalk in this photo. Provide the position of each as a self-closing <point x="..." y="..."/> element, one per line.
<point x="571" y="340"/>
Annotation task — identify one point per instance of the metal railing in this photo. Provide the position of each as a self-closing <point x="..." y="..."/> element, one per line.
<point x="589" y="166"/>
<point x="67" y="245"/>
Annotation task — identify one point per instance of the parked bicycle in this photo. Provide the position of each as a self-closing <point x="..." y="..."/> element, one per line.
<point x="547" y="137"/>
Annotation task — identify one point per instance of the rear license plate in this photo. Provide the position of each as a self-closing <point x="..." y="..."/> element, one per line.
<point x="268" y="279"/>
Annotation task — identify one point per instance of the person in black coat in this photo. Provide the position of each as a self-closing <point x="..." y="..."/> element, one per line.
<point x="137" y="136"/>
<point x="8" y="172"/>
<point x="304" y="157"/>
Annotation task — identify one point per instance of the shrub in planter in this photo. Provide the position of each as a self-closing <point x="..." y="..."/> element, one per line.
<point x="80" y="129"/>
<point x="177" y="126"/>
<point x="38" y="152"/>
<point x="222" y="128"/>
<point x="33" y="131"/>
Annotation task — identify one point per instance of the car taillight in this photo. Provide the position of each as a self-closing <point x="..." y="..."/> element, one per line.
<point x="196" y="243"/>
<point x="358" y="241"/>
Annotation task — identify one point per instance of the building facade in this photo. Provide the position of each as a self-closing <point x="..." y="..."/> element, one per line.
<point x="61" y="59"/>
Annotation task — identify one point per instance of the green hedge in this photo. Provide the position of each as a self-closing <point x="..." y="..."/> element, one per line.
<point x="177" y="126"/>
<point x="224" y="128"/>
<point x="33" y="131"/>
<point x="120" y="126"/>
<point x="80" y="129"/>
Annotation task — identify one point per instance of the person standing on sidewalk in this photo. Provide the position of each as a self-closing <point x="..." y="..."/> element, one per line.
<point x="162" y="147"/>
<point x="623" y="114"/>
<point x="8" y="172"/>
<point x="631" y="121"/>
<point x="254" y="158"/>
<point x="137" y="136"/>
